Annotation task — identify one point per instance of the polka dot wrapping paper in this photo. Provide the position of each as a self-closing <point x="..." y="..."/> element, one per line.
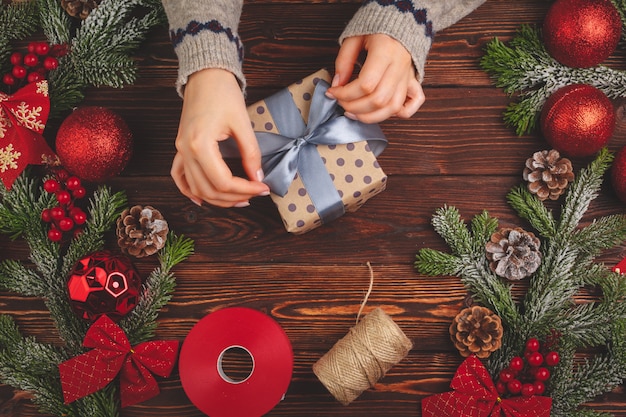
<point x="353" y="167"/>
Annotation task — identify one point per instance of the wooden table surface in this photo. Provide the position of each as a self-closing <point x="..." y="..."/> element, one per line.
<point x="455" y="151"/>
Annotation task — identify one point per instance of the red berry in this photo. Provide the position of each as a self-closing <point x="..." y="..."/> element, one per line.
<point x="42" y="48"/>
<point x="66" y="224"/>
<point x="552" y="358"/>
<point x="19" y="71"/>
<point x="8" y="79"/>
<point x="535" y="359"/>
<point x="31" y="46"/>
<point x="501" y="387"/>
<point x="51" y="186"/>
<point x="506" y="375"/>
<point x="31" y="60"/>
<point x="517" y="364"/>
<point x="528" y="390"/>
<point x="50" y="63"/>
<point x="80" y="192"/>
<point x="55" y="235"/>
<point x="63" y="197"/>
<point x="514" y="386"/>
<point x="77" y="231"/>
<point x="532" y="345"/>
<point x="62" y="175"/>
<point x="57" y="213"/>
<point x="72" y="182"/>
<point x="33" y="77"/>
<point x="46" y="216"/>
<point x="16" y="58"/>
<point x="542" y="374"/>
<point x="79" y="216"/>
<point x="540" y="387"/>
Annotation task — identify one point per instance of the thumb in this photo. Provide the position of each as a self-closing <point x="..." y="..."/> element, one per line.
<point x="346" y="59"/>
<point x="250" y="152"/>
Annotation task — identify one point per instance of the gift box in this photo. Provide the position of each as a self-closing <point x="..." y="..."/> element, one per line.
<point x="318" y="163"/>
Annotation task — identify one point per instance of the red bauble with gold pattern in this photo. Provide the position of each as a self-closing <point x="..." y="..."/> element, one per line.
<point x="618" y="174"/>
<point x="103" y="283"/>
<point x="94" y="143"/>
<point x="582" y="33"/>
<point x="578" y="120"/>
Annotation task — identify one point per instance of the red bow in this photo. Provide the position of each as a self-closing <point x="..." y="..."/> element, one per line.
<point x="23" y="118"/>
<point x="112" y="354"/>
<point x="475" y="395"/>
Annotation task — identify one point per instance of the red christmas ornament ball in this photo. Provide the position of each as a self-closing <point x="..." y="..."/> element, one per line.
<point x="578" y="120"/>
<point x="94" y="143"/>
<point x="581" y="33"/>
<point x="103" y="283"/>
<point x="618" y="174"/>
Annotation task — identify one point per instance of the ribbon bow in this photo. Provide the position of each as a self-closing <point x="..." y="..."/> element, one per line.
<point x="475" y="395"/>
<point x="112" y="355"/>
<point x="23" y="118"/>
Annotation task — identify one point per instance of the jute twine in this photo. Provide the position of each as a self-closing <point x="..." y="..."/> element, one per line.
<point x="363" y="356"/>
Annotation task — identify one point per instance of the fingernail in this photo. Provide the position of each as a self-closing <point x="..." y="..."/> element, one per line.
<point x="264" y="193"/>
<point x="242" y="204"/>
<point x="196" y="201"/>
<point x="329" y="95"/>
<point x="335" y="81"/>
<point x="350" y="115"/>
<point x="260" y="175"/>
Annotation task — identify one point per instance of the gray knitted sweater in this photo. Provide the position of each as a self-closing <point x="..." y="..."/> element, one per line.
<point x="204" y="32"/>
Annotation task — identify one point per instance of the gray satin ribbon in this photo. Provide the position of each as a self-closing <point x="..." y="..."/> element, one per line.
<point x="294" y="149"/>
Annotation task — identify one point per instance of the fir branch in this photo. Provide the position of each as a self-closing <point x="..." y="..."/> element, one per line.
<point x="603" y="233"/>
<point x="582" y="191"/>
<point x="433" y="262"/>
<point x="140" y="324"/>
<point x="530" y="208"/>
<point x="17" y="20"/>
<point x="527" y="68"/>
<point x="15" y="277"/>
<point x="482" y="227"/>
<point x="55" y="22"/>
<point x="449" y="225"/>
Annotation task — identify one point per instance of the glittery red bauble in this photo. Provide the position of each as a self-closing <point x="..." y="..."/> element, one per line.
<point x="581" y="33"/>
<point x="578" y="120"/>
<point x="103" y="283"/>
<point x="618" y="174"/>
<point x="94" y="143"/>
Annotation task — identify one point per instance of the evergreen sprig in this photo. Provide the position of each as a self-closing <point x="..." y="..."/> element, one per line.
<point x="547" y="308"/>
<point x="17" y="20"/>
<point x="32" y="366"/>
<point x="525" y="67"/>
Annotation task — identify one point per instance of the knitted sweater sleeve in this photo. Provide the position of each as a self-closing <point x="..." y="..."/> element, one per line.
<point x="204" y="35"/>
<point x="413" y="23"/>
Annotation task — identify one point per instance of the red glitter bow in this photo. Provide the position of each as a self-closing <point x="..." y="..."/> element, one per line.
<point x="475" y="395"/>
<point x="113" y="355"/>
<point x="23" y="118"/>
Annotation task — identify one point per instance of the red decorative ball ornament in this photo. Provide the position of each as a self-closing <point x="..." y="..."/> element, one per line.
<point x="103" y="283"/>
<point x="581" y="33"/>
<point x="618" y="174"/>
<point x="578" y="120"/>
<point x="94" y="143"/>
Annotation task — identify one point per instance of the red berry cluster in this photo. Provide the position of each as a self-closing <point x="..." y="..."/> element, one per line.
<point x="527" y="376"/>
<point x="65" y="217"/>
<point x="35" y="64"/>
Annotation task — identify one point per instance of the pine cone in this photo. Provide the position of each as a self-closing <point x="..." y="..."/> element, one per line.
<point x="141" y="231"/>
<point x="513" y="253"/>
<point x="476" y="330"/>
<point x="79" y="8"/>
<point x="548" y="174"/>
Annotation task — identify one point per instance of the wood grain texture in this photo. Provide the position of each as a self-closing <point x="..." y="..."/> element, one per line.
<point x="454" y="151"/>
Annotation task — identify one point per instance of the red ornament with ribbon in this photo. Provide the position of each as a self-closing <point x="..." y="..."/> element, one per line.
<point x="475" y="395"/>
<point x="23" y="118"/>
<point x="112" y="355"/>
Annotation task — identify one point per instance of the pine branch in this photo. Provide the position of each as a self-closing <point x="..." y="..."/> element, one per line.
<point x="530" y="208"/>
<point x="17" y="20"/>
<point x="433" y="262"/>
<point x="449" y="225"/>
<point x="603" y="233"/>
<point x="526" y="67"/>
<point x="140" y="324"/>
<point x="15" y="277"/>
<point x="55" y="22"/>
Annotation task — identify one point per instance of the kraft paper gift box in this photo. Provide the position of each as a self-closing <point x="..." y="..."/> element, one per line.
<point x="336" y="159"/>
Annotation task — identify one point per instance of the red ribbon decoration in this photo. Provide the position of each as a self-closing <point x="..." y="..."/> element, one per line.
<point x="23" y="118"/>
<point x="113" y="355"/>
<point x="475" y="395"/>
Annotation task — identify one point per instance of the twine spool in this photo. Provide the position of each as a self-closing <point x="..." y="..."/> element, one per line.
<point x="362" y="357"/>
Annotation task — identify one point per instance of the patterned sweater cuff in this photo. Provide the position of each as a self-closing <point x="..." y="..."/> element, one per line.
<point x="410" y="27"/>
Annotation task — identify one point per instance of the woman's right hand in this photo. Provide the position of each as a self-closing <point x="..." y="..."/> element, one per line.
<point x="214" y="109"/>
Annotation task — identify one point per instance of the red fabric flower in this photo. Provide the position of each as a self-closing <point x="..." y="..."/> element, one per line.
<point x="112" y="355"/>
<point x="23" y="118"/>
<point x="475" y="395"/>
